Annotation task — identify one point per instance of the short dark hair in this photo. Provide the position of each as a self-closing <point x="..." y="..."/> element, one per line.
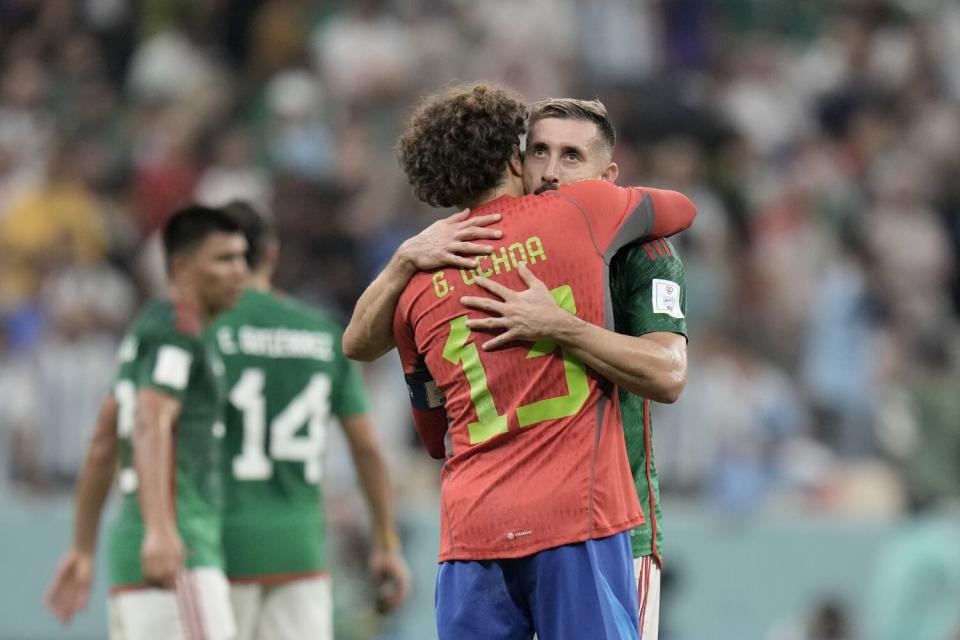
<point x="188" y="227"/>
<point x="575" y="109"/>
<point x="256" y="227"/>
<point x="457" y="143"/>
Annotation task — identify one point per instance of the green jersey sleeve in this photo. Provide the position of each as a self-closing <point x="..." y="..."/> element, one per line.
<point x="649" y="293"/>
<point x="165" y="361"/>
<point x="350" y="393"/>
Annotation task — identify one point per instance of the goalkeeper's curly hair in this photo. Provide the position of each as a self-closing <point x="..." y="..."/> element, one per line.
<point x="457" y="143"/>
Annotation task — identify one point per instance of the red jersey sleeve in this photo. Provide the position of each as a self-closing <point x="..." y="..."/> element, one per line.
<point x="620" y="215"/>
<point x="426" y="399"/>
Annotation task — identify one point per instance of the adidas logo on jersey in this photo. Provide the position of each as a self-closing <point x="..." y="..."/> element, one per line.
<point x="518" y="534"/>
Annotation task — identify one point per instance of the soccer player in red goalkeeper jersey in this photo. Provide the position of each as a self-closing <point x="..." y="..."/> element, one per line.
<point x="646" y="357"/>
<point x="536" y="468"/>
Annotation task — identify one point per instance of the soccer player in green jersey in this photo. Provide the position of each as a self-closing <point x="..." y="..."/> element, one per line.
<point x="163" y="424"/>
<point x="569" y="140"/>
<point x="287" y="376"/>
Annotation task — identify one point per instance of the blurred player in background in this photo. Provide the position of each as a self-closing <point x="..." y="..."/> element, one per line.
<point x="571" y="140"/>
<point x="536" y="464"/>
<point x="287" y="376"/>
<point x="164" y="424"/>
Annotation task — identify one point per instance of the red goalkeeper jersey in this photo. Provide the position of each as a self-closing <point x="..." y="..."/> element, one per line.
<point x="535" y="456"/>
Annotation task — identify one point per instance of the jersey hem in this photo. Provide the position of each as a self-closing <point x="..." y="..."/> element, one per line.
<point x="125" y="588"/>
<point x="141" y="586"/>
<point x="521" y="552"/>
<point x="273" y="579"/>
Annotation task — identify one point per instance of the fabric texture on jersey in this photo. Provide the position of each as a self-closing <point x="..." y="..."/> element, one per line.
<point x="634" y="275"/>
<point x="583" y="590"/>
<point x="163" y="351"/>
<point x="287" y="377"/>
<point x="537" y="457"/>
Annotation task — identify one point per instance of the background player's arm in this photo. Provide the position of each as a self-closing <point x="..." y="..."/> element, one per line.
<point x="653" y="365"/>
<point x="386" y="562"/>
<point x="162" y="553"/>
<point x="369" y="334"/>
<point x="70" y="589"/>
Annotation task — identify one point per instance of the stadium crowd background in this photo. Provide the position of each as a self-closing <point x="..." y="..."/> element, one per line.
<point x="820" y="141"/>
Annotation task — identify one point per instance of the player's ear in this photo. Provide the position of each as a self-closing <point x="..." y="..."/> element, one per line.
<point x="271" y="254"/>
<point x="178" y="263"/>
<point x="611" y="173"/>
<point x="516" y="161"/>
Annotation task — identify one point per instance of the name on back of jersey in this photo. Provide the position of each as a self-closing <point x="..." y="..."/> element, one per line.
<point x="501" y="260"/>
<point x="276" y="342"/>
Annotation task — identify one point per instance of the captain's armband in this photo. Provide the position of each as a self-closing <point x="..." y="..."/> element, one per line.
<point x="425" y="395"/>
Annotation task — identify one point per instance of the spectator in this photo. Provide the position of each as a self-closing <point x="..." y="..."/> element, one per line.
<point x="72" y="365"/>
<point x="55" y="222"/>
<point x="233" y="174"/>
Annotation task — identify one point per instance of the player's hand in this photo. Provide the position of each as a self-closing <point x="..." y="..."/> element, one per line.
<point x="70" y="589"/>
<point x="162" y="557"/>
<point x="391" y="578"/>
<point x="449" y="242"/>
<point x="523" y="316"/>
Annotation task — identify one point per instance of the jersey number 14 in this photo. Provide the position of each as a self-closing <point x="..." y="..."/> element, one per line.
<point x="311" y="407"/>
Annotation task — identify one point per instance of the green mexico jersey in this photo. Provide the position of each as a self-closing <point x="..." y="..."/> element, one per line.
<point x="647" y="287"/>
<point x="286" y="376"/>
<point x="163" y="351"/>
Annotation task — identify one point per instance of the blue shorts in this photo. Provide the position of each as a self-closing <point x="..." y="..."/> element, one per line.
<point x="577" y="591"/>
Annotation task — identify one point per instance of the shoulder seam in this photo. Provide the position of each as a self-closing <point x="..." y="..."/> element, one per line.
<point x="657" y="248"/>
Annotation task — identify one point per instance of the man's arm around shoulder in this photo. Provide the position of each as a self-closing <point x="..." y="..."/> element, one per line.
<point x="625" y="214"/>
<point x="653" y="365"/>
<point x="445" y="243"/>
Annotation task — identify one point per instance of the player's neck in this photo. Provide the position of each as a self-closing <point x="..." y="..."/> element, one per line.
<point x="185" y="295"/>
<point x="511" y="186"/>
<point x="260" y="281"/>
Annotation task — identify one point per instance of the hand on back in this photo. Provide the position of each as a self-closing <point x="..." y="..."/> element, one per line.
<point x="521" y="316"/>
<point x="449" y="242"/>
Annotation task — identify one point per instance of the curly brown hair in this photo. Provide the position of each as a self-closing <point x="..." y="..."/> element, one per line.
<point x="457" y="143"/>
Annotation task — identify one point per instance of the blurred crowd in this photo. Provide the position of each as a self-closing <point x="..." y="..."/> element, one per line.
<point x="820" y="141"/>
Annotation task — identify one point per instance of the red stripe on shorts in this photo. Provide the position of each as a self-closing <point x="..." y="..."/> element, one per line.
<point x="645" y="581"/>
<point x="191" y="614"/>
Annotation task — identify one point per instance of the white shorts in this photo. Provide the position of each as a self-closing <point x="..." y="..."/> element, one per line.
<point x="647" y="573"/>
<point x="197" y="609"/>
<point x="296" y="610"/>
